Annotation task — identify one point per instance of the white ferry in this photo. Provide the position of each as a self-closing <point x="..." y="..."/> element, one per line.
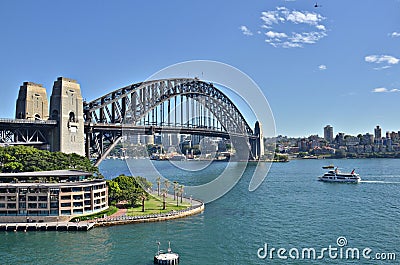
<point x="337" y="176"/>
<point x="166" y="258"/>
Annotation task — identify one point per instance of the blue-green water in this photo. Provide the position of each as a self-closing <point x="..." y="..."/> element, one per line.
<point x="291" y="209"/>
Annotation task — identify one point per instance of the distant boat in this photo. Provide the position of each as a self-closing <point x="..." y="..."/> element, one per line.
<point x="328" y="166"/>
<point x="341" y="177"/>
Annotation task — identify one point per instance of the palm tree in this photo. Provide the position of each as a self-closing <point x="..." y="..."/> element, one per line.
<point x="158" y="185"/>
<point x="164" y="195"/>
<point x="181" y="191"/>
<point x="143" y="197"/>
<point x="166" y="185"/>
<point x="175" y="188"/>
<point x="177" y="195"/>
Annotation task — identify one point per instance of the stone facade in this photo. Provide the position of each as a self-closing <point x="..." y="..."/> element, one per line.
<point x="32" y="102"/>
<point x="66" y="106"/>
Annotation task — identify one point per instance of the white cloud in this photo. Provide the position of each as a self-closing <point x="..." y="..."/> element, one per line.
<point x="382" y="68"/>
<point x="272" y="34"/>
<point x="269" y="18"/>
<point x="395" y="34"/>
<point x="307" y="37"/>
<point x="245" y="31"/>
<point x="304" y="17"/>
<point x="380" y="90"/>
<point x="382" y="59"/>
<point x="288" y="44"/>
<point x="385" y="90"/>
<point x="322" y="67"/>
<point x="310" y="24"/>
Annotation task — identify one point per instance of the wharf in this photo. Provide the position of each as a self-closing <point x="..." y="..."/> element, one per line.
<point x="49" y="226"/>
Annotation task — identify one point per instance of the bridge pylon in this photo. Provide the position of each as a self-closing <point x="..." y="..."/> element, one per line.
<point x="257" y="145"/>
<point x="66" y="107"/>
<point x="32" y="102"/>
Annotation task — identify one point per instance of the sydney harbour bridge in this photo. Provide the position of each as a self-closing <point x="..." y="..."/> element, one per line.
<point x="168" y="106"/>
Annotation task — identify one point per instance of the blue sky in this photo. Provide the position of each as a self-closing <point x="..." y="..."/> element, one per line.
<point x="336" y="64"/>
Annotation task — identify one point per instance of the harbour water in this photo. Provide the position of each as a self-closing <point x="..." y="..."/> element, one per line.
<point x="291" y="209"/>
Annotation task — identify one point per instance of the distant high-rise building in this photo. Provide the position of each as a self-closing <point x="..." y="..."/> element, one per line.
<point x="378" y="135"/>
<point x="367" y="139"/>
<point x="328" y="133"/>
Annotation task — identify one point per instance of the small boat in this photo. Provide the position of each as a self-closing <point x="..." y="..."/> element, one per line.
<point x="341" y="177"/>
<point x="328" y="166"/>
<point x="166" y="258"/>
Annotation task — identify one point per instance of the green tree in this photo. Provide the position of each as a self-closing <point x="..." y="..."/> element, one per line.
<point x="11" y="167"/>
<point x="340" y="153"/>
<point x="158" y="185"/>
<point x="130" y="188"/>
<point x="33" y="159"/>
<point x="143" y="197"/>
<point x="114" y="191"/>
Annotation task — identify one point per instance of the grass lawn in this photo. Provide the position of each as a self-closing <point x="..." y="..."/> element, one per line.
<point x="111" y="210"/>
<point x="154" y="205"/>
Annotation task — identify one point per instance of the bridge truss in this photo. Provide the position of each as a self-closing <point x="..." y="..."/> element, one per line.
<point x="161" y="106"/>
<point x="25" y="132"/>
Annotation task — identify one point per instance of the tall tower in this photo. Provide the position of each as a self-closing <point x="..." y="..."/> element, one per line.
<point x="66" y="106"/>
<point x="258" y="144"/>
<point x="378" y="135"/>
<point x="328" y="133"/>
<point x="32" y="102"/>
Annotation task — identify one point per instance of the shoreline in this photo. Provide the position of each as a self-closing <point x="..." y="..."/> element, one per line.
<point x="196" y="208"/>
<point x="123" y="220"/>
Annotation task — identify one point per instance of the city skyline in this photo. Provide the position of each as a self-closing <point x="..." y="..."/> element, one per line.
<point x="315" y="65"/>
<point x="336" y="132"/>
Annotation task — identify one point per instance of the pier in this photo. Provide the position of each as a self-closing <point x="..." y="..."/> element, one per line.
<point x="49" y="226"/>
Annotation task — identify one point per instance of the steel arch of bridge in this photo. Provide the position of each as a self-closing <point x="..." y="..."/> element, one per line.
<point x="126" y="108"/>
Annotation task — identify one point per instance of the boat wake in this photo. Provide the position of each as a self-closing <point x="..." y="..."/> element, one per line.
<point x="380" y="182"/>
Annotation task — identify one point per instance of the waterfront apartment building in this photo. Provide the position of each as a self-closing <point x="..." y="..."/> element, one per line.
<point x="50" y="195"/>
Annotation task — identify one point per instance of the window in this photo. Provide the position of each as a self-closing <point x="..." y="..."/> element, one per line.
<point x="32" y="198"/>
<point x="11" y="206"/>
<point x="42" y="205"/>
<point x="78" y="204"/>
<point x="32" y="205"/>
<point x="72" y="116"/>
<point x="78" y="197"/>
<point x="65" y="212"/>
<point x="43" y="198"/>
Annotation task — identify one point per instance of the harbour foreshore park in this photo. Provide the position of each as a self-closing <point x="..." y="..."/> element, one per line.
<point x="47" y="182"/>
<point x="78" y="200"/>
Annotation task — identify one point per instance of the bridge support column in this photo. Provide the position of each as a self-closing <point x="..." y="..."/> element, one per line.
<point x="257" y="145"/>
<point x="32" y="102"/>
<point x="66" y="106"/>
